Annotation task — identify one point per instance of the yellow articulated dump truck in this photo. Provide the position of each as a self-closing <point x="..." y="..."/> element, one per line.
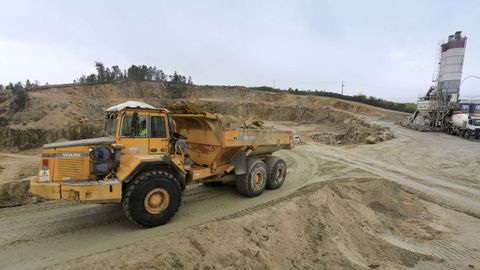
<point x="153" y="154"/>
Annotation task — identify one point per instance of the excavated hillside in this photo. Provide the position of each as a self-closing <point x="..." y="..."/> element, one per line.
<point x="76" y="112"/>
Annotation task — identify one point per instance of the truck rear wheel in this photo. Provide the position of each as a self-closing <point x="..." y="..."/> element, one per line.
<point x="276" y="172"/>
<point x="252" y="183"/>
<point x="152" y="198"/>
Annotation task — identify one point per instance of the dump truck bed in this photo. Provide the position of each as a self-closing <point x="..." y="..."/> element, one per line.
<point x="210" y="144"/>
<point x="260" y="140"/>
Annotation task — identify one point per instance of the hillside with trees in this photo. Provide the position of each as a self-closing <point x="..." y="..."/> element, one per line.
<point x="178" y="82"/>
<point x="134" y="73"/>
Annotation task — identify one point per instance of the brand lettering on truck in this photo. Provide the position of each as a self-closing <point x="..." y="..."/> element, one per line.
<point x="71" y="155"/>
<point x="245" y="138"/>
<point x="64" y="155"/>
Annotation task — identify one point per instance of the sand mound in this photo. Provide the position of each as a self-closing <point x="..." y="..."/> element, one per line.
<point x="353" y="131"/>
<point x="323" y="226"/>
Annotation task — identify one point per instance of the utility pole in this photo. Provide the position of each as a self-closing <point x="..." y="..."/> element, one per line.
<point x="343" y="84"/>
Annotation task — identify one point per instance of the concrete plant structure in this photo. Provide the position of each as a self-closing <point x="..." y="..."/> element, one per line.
<point x="434" y="110"/>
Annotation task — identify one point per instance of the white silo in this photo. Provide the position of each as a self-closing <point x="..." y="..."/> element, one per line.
<point x="450" y="70"/>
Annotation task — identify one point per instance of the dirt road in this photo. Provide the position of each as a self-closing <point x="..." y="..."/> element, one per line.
<point x="438" y="167"/>
<point x="441" y="168"/>
<point x="14" y="166"/>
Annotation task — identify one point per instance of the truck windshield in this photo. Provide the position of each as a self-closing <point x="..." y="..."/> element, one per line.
<point x="476" y="122"/>
<point x="111" y="125"/>
<point x="465" y="108"/>
<point x="475" y="108"/>
<point x="140" y="130"/>
<point x="158" y="127"/>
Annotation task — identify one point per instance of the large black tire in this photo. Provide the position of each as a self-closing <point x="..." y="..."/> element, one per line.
<point x="152" y="198"/>
<point x="276" y="172"/>
<point x="461" y="133"/>
<point x="252" y="183"/>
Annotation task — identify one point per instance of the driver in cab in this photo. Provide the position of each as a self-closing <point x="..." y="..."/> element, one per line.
<point x="143" y="128"/>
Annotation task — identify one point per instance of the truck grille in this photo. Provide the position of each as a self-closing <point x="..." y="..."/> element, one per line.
<point x="71" y="168"/>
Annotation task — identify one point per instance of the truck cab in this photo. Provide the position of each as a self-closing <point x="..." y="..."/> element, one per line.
<point x="147" y="138"/>
<point x="473" y="128"/>
<point x="139" y="149"/>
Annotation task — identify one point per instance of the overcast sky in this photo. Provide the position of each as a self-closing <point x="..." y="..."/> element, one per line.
<point x="382" y="48"/>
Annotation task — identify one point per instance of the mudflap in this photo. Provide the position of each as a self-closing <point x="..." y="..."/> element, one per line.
<point x="239" y="160"/>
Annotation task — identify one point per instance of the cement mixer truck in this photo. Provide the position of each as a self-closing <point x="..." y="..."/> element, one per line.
<point x="465" y="120"/>
<point x="153" y="154"/>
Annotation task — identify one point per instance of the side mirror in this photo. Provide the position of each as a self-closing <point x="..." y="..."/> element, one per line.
<point x="134" y="124"/>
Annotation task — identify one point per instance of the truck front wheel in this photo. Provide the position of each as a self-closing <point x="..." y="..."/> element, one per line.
<point x="252" y="183"/>
<point x="152" y="198"/>
<point x="276" y="172"/>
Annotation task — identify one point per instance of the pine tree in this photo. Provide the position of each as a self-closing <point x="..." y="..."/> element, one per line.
<point x="116" y="73"/>
<point x="28" y="84"/>
<point x="143" y="73"/>
<point x="162" y="75"/>
<point x="91" y="78"/>
<point x="101" y="74"/>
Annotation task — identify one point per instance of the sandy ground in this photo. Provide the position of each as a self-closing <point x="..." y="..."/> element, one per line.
<point x="15" y="166"/>
<point x="413" y="201"/>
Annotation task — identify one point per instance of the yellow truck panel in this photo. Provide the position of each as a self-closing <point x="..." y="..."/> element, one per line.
<point x="46" y="190"/>
<point x="92" y="191"/>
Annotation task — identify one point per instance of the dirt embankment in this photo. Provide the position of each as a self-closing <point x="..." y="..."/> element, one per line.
<point x="322" y="226"/>
<point x="76" y="112"/>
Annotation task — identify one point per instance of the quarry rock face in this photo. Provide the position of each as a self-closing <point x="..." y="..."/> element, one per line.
<point x="71" y="112"/>
<point x="22" y="139"/>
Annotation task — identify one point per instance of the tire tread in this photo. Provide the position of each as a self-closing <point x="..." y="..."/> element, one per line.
<point x="131" y="186"/>
<point x="271" y="162"/>
<point x="242" y="183"/>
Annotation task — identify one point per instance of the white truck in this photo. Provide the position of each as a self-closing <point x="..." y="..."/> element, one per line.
<point x="473" y="128"/>
<point x="465" y="120"/>
<point x="464" y="126"/>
